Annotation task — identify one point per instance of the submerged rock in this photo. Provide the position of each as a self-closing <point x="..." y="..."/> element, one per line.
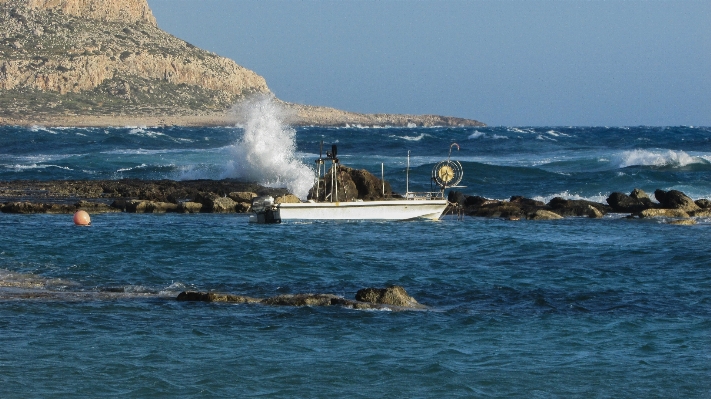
<point x="393" y="295"/>
<point x="703" y="213"/>
<point x="670" y="213"/>
<point x="306" y="300"/>
<point x="368" y="298"/>
<point x="214" y="297"/>
<point x="683" y="222"/>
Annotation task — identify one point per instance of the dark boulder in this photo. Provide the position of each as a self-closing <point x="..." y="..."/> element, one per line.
<point x="474" y="201"/>
<point x="369" y="187"/>
<point x="674" y="199"/>
<point x="703" y="203"/>
<point x="455" y="197"/>
<point x="620" y="202"/>
<point x="526" y="202"/>
<point x="566" y="207"/>
<point x="353" y="184"/>
<point x="214" y="297"/>
<point x="639" y="194"/>
<point x="497" y="209"/>
<point x="306" y="300"/>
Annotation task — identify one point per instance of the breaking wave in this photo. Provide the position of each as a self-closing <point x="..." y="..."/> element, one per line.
<point x="655" y="158"/>
<point x="477" y="134"/>
<point x="599" y="198"/>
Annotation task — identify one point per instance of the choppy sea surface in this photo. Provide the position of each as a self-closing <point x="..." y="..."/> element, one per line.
<point x="609" y="307"/>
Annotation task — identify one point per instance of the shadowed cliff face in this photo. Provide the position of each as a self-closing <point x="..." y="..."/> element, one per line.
<point x="109" y="57"/>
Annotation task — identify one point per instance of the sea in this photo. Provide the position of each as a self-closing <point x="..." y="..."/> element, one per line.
<point x="573" y="308"/>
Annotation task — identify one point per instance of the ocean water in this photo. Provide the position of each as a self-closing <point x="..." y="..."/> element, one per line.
<point x="578" y="307"/>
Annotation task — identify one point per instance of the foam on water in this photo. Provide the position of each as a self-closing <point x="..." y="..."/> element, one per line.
<point x="266" y="153"/>
<point x="412" y="138"/>
<point x="655" y="158"/>
<point x="34" y="166"/>
<point x="599" y="198"/>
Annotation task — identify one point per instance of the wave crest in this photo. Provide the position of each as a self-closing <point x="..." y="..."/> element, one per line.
<point x="655" y="158"/>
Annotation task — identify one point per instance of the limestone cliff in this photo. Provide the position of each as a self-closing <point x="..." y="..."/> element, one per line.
<point x="106" y="62"/>
<point x="130" y="11"/>
<point x="88" y="57"/>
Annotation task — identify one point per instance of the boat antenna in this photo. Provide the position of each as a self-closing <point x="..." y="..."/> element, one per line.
<point x="382" y="176"/>
<point x="407" y="175"/>
<point x="319" y="163"/>
<point x="334" y="170"/>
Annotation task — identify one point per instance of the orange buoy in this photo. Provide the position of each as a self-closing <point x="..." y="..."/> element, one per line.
<point x="81" y="218"/>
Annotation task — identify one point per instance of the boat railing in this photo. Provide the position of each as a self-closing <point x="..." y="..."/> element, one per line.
<point x="420" y="196"/>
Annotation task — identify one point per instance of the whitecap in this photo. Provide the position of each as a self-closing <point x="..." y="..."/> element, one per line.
<point x="656" y="158"/>
<point x="18" y="167"/>
<point x="542" y="137"/>
<point x="141" y="166"/>
<point x="412" y="138"/>
<point x="599" y="198"/>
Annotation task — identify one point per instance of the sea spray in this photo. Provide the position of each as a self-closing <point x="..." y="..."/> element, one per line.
<point x="266" y="151"/>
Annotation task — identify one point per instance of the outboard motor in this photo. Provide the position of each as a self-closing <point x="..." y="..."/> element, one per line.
<point x="264" y="210"/>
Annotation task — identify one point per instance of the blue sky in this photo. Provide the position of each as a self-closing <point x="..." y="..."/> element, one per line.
<point x="515" y="63"/>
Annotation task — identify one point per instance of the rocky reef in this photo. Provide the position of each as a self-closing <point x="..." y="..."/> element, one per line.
<point x="390" y="298"/>
<point x="130" y="195"/>
<point x="670" y="204"/>
<point x="161" y="196"/>
<point x="233" y="196"/>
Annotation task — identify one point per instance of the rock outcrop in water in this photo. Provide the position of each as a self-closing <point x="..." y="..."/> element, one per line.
<point x="233" y="196"/>
<point x="131" y="195"/>
<point x="393" y="297"/>
<point x="106" y="63"/>
<point x="672" y="204"/>
<point x="353" y="184"/>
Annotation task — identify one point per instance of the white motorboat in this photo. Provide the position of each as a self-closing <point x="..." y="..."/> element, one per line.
<point x="325" y="206"/>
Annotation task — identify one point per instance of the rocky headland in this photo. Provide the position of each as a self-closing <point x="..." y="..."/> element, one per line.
<point x="107" y="63"/>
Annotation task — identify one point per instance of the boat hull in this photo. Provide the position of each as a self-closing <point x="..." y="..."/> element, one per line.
<point x="366" y="210"/>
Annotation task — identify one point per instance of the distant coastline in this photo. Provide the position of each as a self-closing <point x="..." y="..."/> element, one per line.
<point x="308" y="116"/>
